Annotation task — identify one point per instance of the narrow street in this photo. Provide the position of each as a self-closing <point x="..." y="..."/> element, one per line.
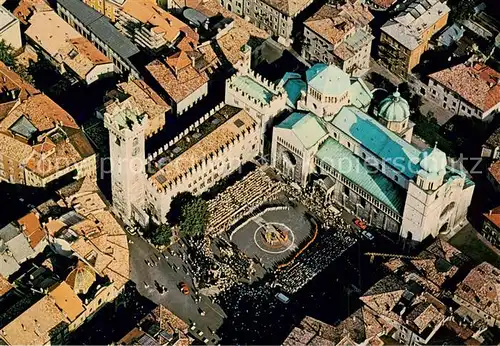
<point x="170" y="272"/>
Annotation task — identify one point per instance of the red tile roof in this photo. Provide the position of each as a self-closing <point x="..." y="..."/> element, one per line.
<point x="494" y="216"/>
<point x="478" y="84"/>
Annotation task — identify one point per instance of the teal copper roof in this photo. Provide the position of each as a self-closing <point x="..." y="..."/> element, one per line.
<point x="372" y="181"/>
<point x="391" y="148"/>
<point x="254" y="89"/>
<point x="328" y="79"/>
<point x="293" y="84"/>
<point x="305" y="126"/>
<point x="359" y="94"/>
<point x="394" y="108"/>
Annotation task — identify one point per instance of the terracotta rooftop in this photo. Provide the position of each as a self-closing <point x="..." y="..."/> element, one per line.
<point x="177" y="84"/>
<point x="66" y="300"/>
<point x="494" y="216"/>
<point x="424" y="316"/>
<point x="26" y="7"/>
<point x="14" y="149"/>
<point x="238" y="124"/>
<point x="360" y="326"/>
<point x="481" y="289"/>
<point x="334" y="23"/>
<point x="82" y="56"/>
<point x="34" y="326"/>
<point x="478" y="84"/>
<point x="50" y="32"/>
<point x="5" y="286"/>
<point x="494" y="171"/>
<point x="436" y="270"/>
<point x="9" y="80"/>
<point x="242" y="32"/>
<point x="41" y="111"/>
<point x="148" y="101"/>
<point x="288" y="7"/>
<point x="148" y="12"/>
<point x="32" y="229"/>
<point x="71" y="147"/>
<point x="442" y="249"/>
<point x="102" y="242"/>
<point x="168" y="320"/>
<point x="383" y="296"/>
<point x="384" y="3"/>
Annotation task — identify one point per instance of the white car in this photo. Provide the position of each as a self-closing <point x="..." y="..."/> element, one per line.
<point x="367" y="235"/>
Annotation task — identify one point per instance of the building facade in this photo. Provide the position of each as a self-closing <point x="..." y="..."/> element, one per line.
<point x="274" y="16"/>
<point x="95" y="27"/>
<point x="405" y="37"/>
<point x="368" y="166"/>
<point x="10" y="30"/>
<point x="469" y="90"/>
<point x="126" y="127"/>
<point x="340" y="35"/>
<point x="67" y="49"/>
<point x="40" y="141"/>
<point x="491" y="227"/>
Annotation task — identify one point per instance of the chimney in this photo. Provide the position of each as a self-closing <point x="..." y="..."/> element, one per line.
<point x="489" y="213"/>
<point x="193" y="60"/>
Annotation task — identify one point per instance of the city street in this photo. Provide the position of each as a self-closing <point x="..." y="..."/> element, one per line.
<point x="170" y="273"/>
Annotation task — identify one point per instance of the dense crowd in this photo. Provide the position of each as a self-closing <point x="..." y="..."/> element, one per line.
<point x="328" y="246"/>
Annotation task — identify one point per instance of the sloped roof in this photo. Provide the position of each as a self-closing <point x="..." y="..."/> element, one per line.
<point x="254" y="89"/>
<point x="375" y="183"/>
<point x="101" y="27"/>
<point x="293" y="85"/>
<point x="305" y="126"/>
<point x="33" y="326"/>
<point x="288" y="7"/>
<point x="478" y="84"/>
<point x="66" y="300"/>
<point x="328" y="79"/>
<point x="409" y="26"/>
<point x="481" y="289"/>
<point x="378" y="139"/>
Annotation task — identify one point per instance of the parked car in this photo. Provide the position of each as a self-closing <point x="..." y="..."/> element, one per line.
<point x="361" y="224"/>
<point x="367" y="235"/>
<point x="282" y="298"/>
<point x="184" y="288"/>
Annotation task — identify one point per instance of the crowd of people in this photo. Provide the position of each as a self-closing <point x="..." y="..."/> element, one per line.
<point x="221" y="269"/>
<point x="329" y="245"/>
<point x="240" y="200"/>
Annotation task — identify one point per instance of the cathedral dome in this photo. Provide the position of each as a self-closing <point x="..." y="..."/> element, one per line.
<point x="394" y="108"/>
<point x="81" y="278"/>
<point x="329" y="80"/>
<point x="433" y="160"/>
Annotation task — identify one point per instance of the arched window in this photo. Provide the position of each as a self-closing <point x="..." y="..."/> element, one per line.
<point x="447" y="209"/>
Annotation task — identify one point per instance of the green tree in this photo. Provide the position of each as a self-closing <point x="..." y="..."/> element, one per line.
<point x="181" y="199"/>
<point x="7" y="54"/>
<point x="161" y="235"/>
<point x="461" y="9"/>
<point x="194" y="217"/>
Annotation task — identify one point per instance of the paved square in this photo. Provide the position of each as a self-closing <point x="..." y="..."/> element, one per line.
<point x="272" y="236"/>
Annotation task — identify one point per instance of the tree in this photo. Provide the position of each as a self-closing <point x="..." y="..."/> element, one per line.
<point x="161" y="235"/>
<point x="462" y="9"/>
<point x="7" y="54"/>
<point x="8" y="58"/>
<point x="194" y="217"/>
<point x="181" y="199"/>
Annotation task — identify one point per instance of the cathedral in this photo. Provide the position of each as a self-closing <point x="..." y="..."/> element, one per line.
<point x="366" y="162"/>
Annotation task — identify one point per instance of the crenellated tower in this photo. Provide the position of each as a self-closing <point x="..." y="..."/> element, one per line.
<point x="126" y="126"/>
